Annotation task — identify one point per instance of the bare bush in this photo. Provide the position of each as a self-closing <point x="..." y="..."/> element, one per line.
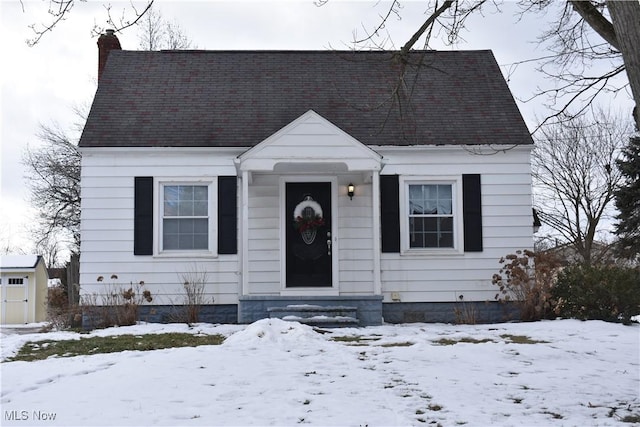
<point x="526" y="279"/>
<point x="117" y="306"/>
<point x="194" y="295"/>
<point x="466" y="313"/>
<point x="61" y="314"/>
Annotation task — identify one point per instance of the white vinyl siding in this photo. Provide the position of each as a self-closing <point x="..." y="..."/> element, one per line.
<point x="107" y="221"/>
<point x="438" y="275"/>
<point x="420" y="274"/>
<point x="353" y="222"/>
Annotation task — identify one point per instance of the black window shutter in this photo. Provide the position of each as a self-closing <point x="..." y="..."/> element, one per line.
<point x="143" y="216"/>
<point x="390" y="213"/>
<point x="472" y="212"/>
<point x="227" y="215"/>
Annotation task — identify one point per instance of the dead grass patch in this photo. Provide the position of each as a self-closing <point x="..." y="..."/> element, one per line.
<point x="513" y="339"/>
<point x="40" y="350"/>
<point x="521" y="339"/>
<point x="468" y="340"/>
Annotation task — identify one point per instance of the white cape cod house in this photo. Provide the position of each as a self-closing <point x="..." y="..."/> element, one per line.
<point x="389" y="186"/>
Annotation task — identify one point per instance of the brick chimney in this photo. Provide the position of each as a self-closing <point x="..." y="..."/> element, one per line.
<point x="106" y="43"/>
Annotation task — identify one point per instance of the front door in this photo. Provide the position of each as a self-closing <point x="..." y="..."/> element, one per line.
<point x="308" y="234"/>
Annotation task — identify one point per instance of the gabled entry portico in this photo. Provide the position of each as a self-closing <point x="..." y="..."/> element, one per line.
<point x="303" y="239"/>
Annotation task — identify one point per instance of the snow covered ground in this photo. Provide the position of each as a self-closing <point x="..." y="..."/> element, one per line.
<point x="283" y="373"/>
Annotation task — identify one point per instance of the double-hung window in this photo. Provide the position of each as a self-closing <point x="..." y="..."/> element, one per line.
<point x="431" y="218"/>
<point x="186" y="214"/>
<point x="431" y="214"/>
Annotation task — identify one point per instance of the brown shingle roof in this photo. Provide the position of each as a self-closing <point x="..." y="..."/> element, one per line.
<point x="239" y="98"/>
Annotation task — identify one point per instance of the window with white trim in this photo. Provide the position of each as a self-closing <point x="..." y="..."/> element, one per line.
<point x="186" y="217"/>
<point x="431" y="217"/>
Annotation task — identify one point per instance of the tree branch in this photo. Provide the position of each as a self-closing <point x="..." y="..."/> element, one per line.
<point x="409" y="44"/>
<point x="597" y="21"/>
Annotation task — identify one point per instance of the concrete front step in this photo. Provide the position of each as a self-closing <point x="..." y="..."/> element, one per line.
<point x="316" y="315"/>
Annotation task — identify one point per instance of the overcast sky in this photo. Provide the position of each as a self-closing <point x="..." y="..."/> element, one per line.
<point x="43" y="84"/>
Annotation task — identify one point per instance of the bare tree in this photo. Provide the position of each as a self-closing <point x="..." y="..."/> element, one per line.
<point x="176" y="38"/>
<point x="585" y="32"/>
<point x="575" y="174"/>
<point x="51" y="251"/>
<point x="59" y="10"/>
<point x="53" y="167"/>
<point x="54" y="184"/>
<point x="622" y="34"/>
<point x="156" y="33"/>
<point x="7" y="247"/>
<point x="585" y="57"/>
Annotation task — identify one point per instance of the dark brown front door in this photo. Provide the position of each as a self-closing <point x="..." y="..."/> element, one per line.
<point x="308" y="234"/>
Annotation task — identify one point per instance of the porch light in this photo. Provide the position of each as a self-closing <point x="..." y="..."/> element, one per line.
<point x="351" y="189"/>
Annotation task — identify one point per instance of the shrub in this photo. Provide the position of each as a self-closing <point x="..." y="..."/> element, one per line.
<point x="194" y="282"/>
<point x="118" y="306"/>
<point x="600" y="292"/>
<point x="61" y="314"/>
<point x="466" y="314"/>
<point x="526" y="279"/>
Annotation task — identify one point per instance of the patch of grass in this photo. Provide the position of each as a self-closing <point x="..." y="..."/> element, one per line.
<point x="433" y="407"/>
<point x="446" y="341"/>
<point x="40" y="350"/>
<point x="630" y="419"/>
<point x="355" y="339"/>
<point x="468" y="340"/>
<point x="397" y="344"/>
<point x="361" y="340"/>
<point x="521" y="339"/>
<point x="351" y="338"/>
<point x="514" y="339"/>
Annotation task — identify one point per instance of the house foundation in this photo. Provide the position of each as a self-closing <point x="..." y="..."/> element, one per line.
<point x="449" y="312"/>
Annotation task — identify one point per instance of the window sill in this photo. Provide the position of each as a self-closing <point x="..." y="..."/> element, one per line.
<point x="414" y="252"/>
<point x="186" y="254"/>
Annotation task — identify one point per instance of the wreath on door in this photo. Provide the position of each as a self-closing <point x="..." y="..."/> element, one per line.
<point x="307" y="217"/>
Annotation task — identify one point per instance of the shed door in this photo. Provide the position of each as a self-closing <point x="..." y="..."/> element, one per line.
<point x="15" y="297"/>
<point x="308" y="234"/>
